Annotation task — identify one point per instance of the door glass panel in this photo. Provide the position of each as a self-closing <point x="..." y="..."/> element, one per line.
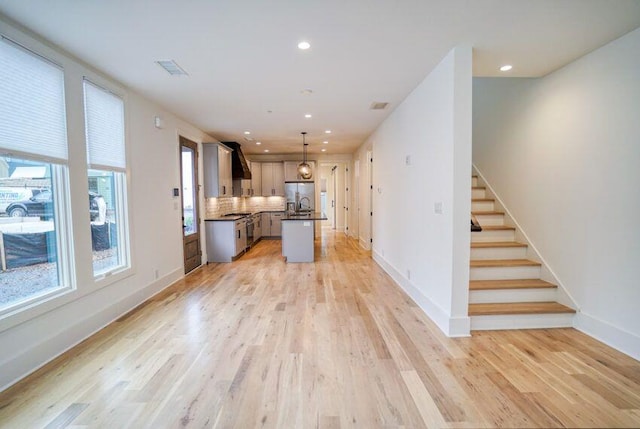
<point x="188" y="191"/>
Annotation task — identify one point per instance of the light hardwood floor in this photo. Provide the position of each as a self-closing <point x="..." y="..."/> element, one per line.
<point x="334" y="344"/>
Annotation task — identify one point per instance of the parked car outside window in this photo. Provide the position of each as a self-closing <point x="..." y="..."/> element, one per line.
<point x="41" y="205"/>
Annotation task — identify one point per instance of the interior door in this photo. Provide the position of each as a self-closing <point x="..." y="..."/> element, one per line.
<point x="190" y="210"/>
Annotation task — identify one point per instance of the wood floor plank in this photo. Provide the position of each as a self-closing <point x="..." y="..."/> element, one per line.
<point x="333" y="344"/>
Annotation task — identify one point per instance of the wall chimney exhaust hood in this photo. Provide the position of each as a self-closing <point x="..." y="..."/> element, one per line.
<point x="239" y="166"/>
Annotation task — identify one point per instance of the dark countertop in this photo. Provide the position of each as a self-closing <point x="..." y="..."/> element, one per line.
<point x="234" y="218"/>
<point x="305" y="216"/>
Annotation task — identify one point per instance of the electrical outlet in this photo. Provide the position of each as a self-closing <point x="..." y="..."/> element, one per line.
<point x="156" y="273"/>
<point x="437" y="208"/>
<point x="407" y="160"/>
<point x="408" y="274"/>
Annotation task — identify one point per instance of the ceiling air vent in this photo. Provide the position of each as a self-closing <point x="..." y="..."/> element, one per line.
<point x="172" y="68"/>
<point x="378" y="105"/>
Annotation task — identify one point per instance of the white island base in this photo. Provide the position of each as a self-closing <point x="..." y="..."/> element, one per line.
<point x="297" y="240"/>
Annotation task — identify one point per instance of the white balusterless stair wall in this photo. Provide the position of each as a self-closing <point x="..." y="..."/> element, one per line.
<point x="509" y="287"/>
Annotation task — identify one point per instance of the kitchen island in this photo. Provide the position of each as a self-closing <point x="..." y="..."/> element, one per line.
<point x="298" y="234"/>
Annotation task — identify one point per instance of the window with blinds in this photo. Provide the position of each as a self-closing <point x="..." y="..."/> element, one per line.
<point x="106" y="160"/>
<point x="35" y="236"/>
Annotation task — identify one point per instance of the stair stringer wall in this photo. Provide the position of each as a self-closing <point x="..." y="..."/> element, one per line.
<point x="546" y="273"/>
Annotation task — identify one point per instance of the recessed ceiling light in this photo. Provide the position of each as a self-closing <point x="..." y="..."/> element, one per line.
<point x="327" y="132"/>
<point x="308" y="115"/>
<point x="258" y="143"/>
<point x="304" y="45"/>
<point x="326" y="142"/>
<point x="266" y="150"/>
<point x="324" y="150"/>
<point x="247" y="132"/>
<point x="506" y="67"/>
<point x="306" y="91"/>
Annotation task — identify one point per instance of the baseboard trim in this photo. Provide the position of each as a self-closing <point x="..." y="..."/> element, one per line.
<point x="40" y="354"/>
<point x="626" y="342"/>
<point x="450" y="326"/>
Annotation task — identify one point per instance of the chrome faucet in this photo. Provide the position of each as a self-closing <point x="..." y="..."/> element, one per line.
<point x="308" y="203"/>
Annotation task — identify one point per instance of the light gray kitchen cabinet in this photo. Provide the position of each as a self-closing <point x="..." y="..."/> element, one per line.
<point x="256" y="178"/>
<point x="272" y="179"/>
<point x="216" y="162"/>
<point x="225" y="239"/>
<point x="265" y="223"/>
<point x="272" y="224"/>
<point x="241" y="187"/>
<point x="276" y="224"/>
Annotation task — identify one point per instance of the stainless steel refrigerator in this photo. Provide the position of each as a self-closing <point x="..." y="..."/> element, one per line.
<point x="301" y="194"/>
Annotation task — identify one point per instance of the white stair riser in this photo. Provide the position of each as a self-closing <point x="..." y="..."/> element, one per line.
<point x="481" y="206"/>
<point x="478" y="193"/>
<point x="490" y="219"/>
<point x="522" y="321"/>
<point x="499" y="253"/>
<point x="504" y="273"/>
<point x="486" y="236"/>
<point x="474" y="181"/>
<point x="512" y="295"/>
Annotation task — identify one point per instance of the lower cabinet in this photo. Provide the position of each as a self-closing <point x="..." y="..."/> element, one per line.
<point x="225" y="239"/>
<point x="272" y="224"/>
<point x="257" y="226"/>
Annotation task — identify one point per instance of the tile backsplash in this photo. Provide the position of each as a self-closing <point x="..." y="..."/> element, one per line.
<point x="216" y="207"/>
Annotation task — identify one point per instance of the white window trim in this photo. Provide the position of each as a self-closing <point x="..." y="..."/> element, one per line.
<point x="33" y="305"/>
<point x="127" y="269"/>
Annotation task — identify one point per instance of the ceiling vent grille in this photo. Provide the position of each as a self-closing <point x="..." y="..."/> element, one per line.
<point x="378" y="105"/>
<point x="172" y="68"/>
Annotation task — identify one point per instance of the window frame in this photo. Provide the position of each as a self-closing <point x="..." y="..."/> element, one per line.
<point x="35" y="304"/>
<point x="122" y="188"/>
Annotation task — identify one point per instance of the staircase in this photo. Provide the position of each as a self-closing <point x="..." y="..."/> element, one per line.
<point x="505" y="288"/>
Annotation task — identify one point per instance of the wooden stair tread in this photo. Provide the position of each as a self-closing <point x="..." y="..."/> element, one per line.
<point x="496" y="228"/>
<point x="482" y="200"/>
<point x="518" y="308"/>
<point x="490" y="263"/>
<point x="492" y="244"/>
<point x="510" y="284"/>
<point x="486" y="213"/>
<point x="479" y="188"/>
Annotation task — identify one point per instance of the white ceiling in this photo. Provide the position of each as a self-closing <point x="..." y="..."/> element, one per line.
<point x="243" y="62"/>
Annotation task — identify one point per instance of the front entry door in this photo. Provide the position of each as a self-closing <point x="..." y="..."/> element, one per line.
<point x="190" y="213"/>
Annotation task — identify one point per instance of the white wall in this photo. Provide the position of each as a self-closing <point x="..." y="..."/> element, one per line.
<point x="33" y="337"/>
<point x="563" y="153"/>
<point x="418" y="247"/>
<point x="360" y="218"/>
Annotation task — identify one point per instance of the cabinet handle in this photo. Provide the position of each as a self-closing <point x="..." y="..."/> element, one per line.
<point x="224" y="190"/>
<point x="238" y="231"/>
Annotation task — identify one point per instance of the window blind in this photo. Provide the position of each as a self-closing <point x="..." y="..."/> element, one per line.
<point x="104" y="124"/>
<point x="32" y="109"/>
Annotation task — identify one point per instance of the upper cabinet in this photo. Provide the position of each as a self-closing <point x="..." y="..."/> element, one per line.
<point x="256" y="178"/>
<point x="291" y="171"/>
<point x="272" y="179"/>
<point x="242" y="187"/>
<point x="216" y="159"/>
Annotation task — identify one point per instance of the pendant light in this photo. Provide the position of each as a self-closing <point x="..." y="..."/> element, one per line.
<point x="304" y="169"/>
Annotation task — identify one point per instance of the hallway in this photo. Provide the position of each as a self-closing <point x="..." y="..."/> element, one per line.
<point x="262" y="343"/>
